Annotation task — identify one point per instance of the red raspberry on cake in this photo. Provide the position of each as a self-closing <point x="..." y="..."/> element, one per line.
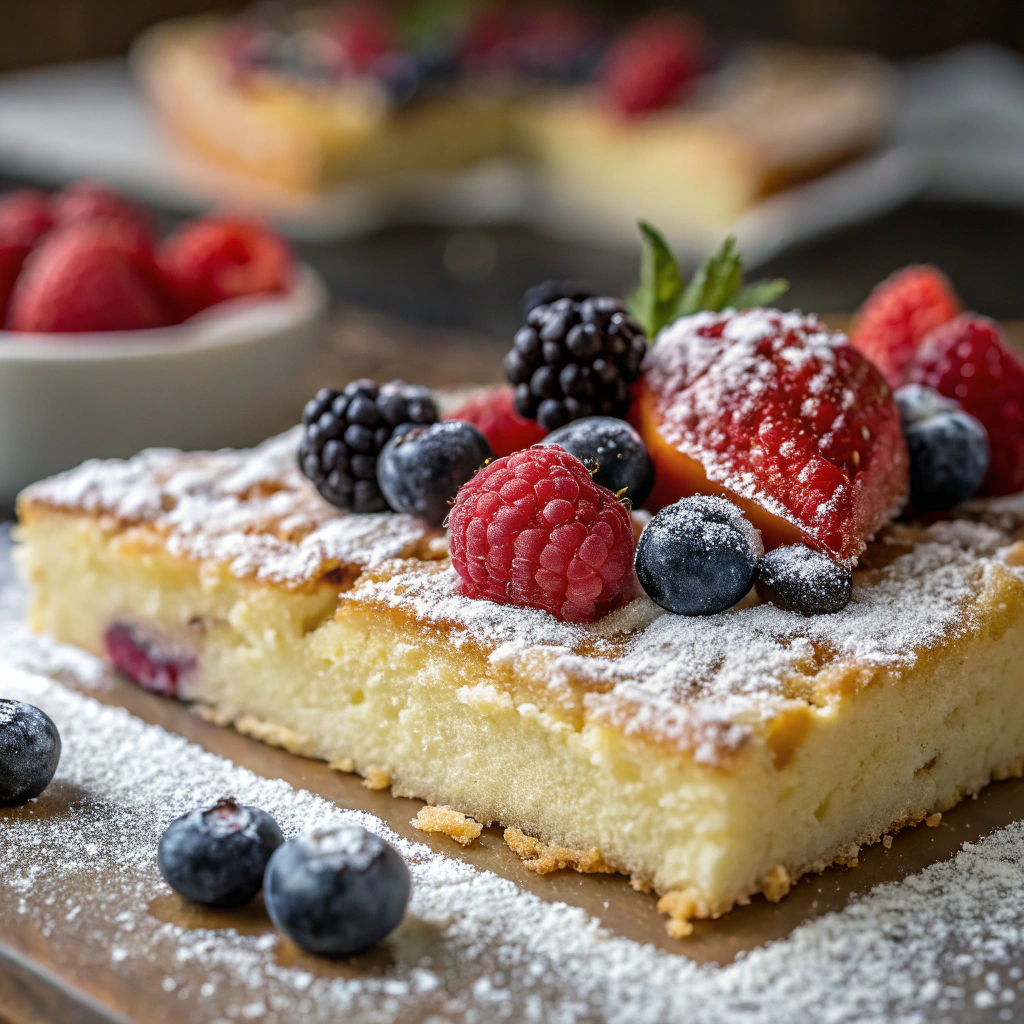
<point x="533" y="529"/>
<point x="781" y="416"/>
<point x="968" y="360"/>
<point x="654" y="64"/>
<point x="492" y="413"/>
<point x="218" y="258"/>
<point x="898" y="314"/>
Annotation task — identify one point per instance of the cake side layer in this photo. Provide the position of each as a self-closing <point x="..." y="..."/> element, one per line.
<point x="332" y="675"/>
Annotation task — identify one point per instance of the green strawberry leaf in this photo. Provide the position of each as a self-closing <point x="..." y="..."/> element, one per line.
<point x="760" y="293"/>
<point x="655" y="301"/>
<point x="715" y="283"/>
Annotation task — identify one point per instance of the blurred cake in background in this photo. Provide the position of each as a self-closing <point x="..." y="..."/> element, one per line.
<point x="654" y="120"/>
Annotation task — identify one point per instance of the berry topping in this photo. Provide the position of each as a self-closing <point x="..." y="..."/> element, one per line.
<point x="698" y="556"/>
<point x="533" y="529"/>
<point x="218" y="855"/>
<point x="575" y="359"/>
<point x="214" y="259"/>
<point x="655" y="64"/>
<point x="29" y="752"/>
<point x="93" y="275"/>
<point x="337" y="890"/>
<point x="345" y="432"/>
<point x="797" y="579"/>
<point x="420" y="470"/>
<point x="948" y="449"/>
<point x="546" y="292"/>
<point x="493" y="414"/>
<point x="614" y="453"/>
<point x="141" y="658"/>
<point x="778" y="414"/>
<point x="898" y="314"/>
<point x="25" y="216"/>
<point x="968" y="360"/>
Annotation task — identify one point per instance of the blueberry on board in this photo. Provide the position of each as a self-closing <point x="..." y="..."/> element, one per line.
<point x="336" y="890"/>
<point x="613" y="451"/>
<point x="421" y="469"/>
<point x="29" y="752"/>
<point x="798" y="579"/>
<point x="698" y="556"/>
<point x="549" y="291"/>
<point x="217" y="855"/>
<point x="949" y="452"/>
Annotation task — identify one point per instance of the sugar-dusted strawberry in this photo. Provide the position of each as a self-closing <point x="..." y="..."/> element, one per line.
<point x="86" y="277"/>
<point x="25" y="216"/>
<point x="533" y="529"/>
<point x="968" y="359"/>
<point x="898" y="314"/>
<point x="783" y="417"/>
<point x="492" y="413"/>
<point x="214" y="259"/>
<point x="654" y="64"/>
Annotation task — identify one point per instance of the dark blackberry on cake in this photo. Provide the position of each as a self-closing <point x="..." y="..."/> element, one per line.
<point x="575" y="358"/>
<point x="345" y="432"/>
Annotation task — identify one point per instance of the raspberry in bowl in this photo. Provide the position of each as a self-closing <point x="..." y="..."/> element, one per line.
<point x="113" y="340"/>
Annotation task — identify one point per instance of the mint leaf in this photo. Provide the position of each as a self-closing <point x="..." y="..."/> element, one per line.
<point x="760" y="293"/>
<point x="656" y="300"/>
<point x="716" y="282"/>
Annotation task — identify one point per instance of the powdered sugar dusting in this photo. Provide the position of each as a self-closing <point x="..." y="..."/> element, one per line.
<point x="250" y="510"/>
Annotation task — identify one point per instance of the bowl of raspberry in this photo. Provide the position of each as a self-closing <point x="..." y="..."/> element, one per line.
<point x="114" y="340"/>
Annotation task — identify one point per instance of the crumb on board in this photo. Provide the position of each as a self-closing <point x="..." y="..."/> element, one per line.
<point x="933" y="820"/>
<point x="543" y="859"/>
<point x="376" y="777"/>
<point x="343" y="764"/>
<point x="460" y="827"/>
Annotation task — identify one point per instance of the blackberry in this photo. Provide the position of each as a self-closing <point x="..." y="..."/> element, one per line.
<point x="336" y="890"/>
<point x="797" y="579"/>
<point x="614" y="453"/>
<point x="546" y="292"/>
<point x="698" y="556"/>
<point x="217" y="855"/>
<point x="345" y="432"/>
<point x="29" y="752"/>
<point x="575" y="358"/>
<point x="421" y="470"/>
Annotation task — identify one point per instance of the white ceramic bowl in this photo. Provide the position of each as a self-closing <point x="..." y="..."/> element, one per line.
<point x="229" y="377"/>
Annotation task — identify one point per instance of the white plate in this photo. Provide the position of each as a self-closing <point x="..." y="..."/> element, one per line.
<point x="227" y="378"/>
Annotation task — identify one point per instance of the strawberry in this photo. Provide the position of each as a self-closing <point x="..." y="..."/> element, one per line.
<point x="86" y="277"/>
<point x="25" y="216"/>
<point x="968" y="360"/>
<point x="491" y="412"/>
<point x="784" y="418"/>
<point x="214" y="259"/>
<point x="654" y="64"/>
<point x="899" y="313"/>
<point x="89" y="200"/>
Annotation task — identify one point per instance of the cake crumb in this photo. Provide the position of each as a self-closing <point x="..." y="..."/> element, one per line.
<point x="460" y="827"/>
<point x="680" y="905"/>
<point x="887" y="841"/>
<point x="343" y="764"/>
<point x="933" y="820"/>
<point x="639" y="884"/>
<point x="543" y="859"/>
<point x="210" y="713"/>
<point x="777" y="884"/>
<point x="376" y="777"/>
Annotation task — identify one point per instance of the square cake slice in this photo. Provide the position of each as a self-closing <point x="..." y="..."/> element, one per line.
<point x="711" y="758"/>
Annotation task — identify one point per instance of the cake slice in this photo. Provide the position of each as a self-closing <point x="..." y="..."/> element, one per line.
<point x="710" y="758"/>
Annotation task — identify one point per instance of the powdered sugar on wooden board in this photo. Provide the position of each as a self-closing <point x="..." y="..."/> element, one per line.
<point x="250" y="510"/>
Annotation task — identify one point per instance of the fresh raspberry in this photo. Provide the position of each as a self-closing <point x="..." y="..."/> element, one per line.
<point x="899" y="313"/>
<point x="214" y="259"/>
<point x="532" y="529"/>
<point x="86" y="277"/>
<point x="968" y="360"/>
<point x="781" y="416"/>
<point x="655" y="64"/>
<point x="25" y="216"/>
<point x="491" y="412"/>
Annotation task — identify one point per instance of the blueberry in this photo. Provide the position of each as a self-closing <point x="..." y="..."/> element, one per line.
<point x="217" y="855"/>
<point x="698" y="556"/>
<point x="797" y="579"/>
<point x="29" y="752"/>
<point x="336" y="890"/>
<point x="421" y="469"/>
<point x="949" y="451"/>
<point x="546" y="292"/>
<point x="613" y="451"/>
